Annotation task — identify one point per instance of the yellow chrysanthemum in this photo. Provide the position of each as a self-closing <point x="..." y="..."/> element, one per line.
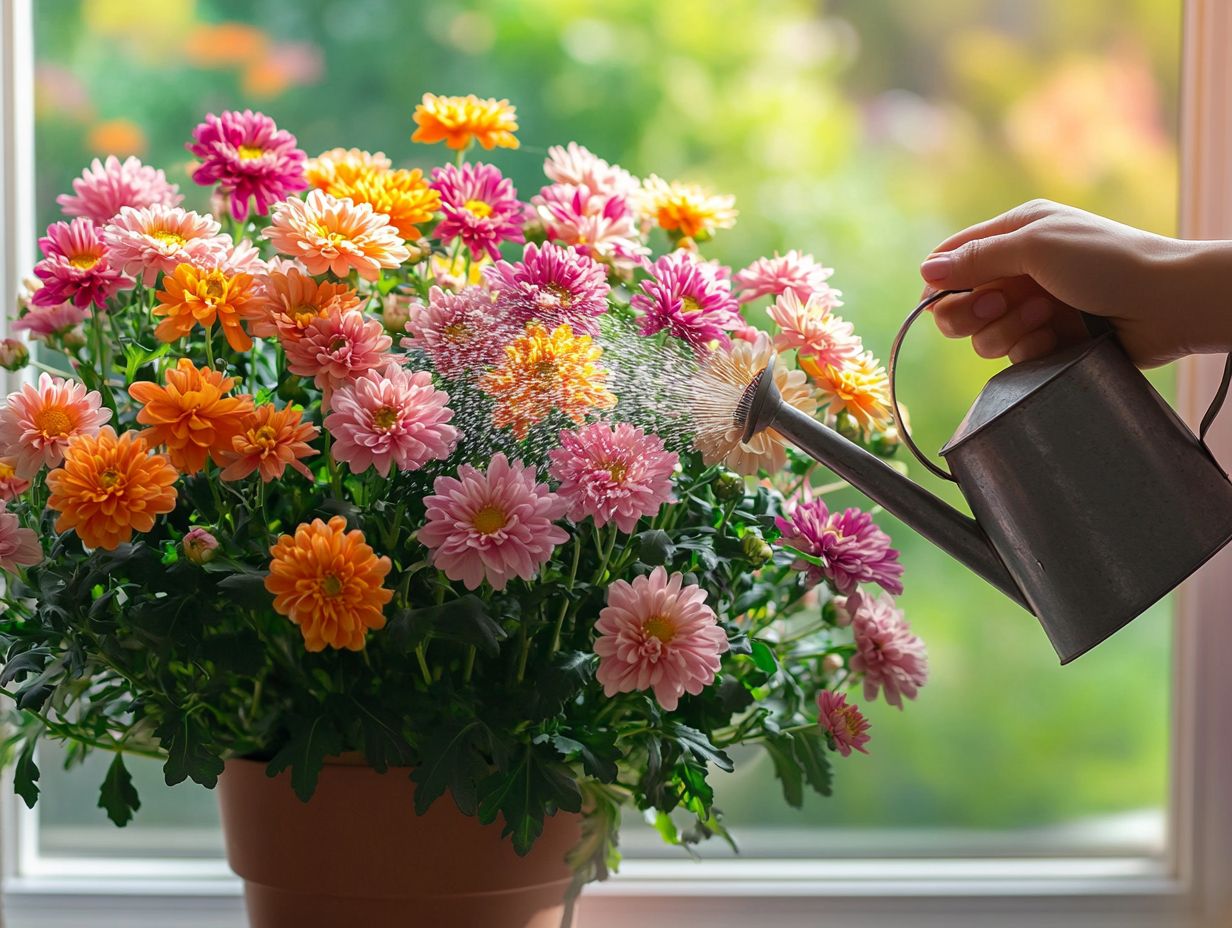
<point x="687" y="210"/>
<point x="860" y="386"/>
<point x="461" y="271"/>
<point x="542" y="373"/>
<point x="343" y="166"/>
<point x="404" y="196"/>
<point x="457" y="120"/>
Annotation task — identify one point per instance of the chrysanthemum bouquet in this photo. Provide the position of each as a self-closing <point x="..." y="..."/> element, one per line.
<point x="406" y="465"/>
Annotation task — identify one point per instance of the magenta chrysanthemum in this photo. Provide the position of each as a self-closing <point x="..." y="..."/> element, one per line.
<point x="391" y="418"/>
<point x="479" y="206"/>
<point x="339" y="347"/>
<point x="843" y="722"/>
<point x="76" y="266"/>
<point x="249" y="158"/>
<point x="551" y="285"/>
<point x="37" y="422"/>
<point x="656" y="633"/>
<point x="690" y="298"/>
<point x="460" y="332"/>
<point x="807" y="326"/>
<point x="888" y="655"/>
<point x="46" y="321"/>
<point x="853" y="548"/>
<point x="601" y="226"/>
<point x="108" y="186"/>
<point x="794" y="271"/>
<point x="492" y="525"/>
<point x="154" y="239"/>
<point x="611" y="474"/>
<point x="19" y="547"/>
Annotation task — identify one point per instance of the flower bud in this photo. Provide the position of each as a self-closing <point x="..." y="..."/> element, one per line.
<point x="728" y="486"/>
<point x="72" y="339"/>
<point x="832" y="663"/>
<point x="836" y="611"/>
<point x="14" y="355"/>
<point x="199" y="545"/>
<point x="396" y="311"/>
<point x="756" y="549"/>
<point x="847" y="426"/>
<point x="419" y="250"/>
<point x="292" y="391"/>
<point x="884" y="444"/>
<point x="534" y="231"/>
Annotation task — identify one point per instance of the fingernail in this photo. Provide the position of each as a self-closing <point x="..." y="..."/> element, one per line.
<point x="989" y="305"/>
<point x="937" y="268"/>
<point x="1036" y="312"/>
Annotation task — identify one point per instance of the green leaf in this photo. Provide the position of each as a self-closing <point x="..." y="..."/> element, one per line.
<point x="310" y="742"/>
<point x="786" y="768"/>
<point x="464" y="620"/>
<point x="385" y="744"/>
<point x="810" y="750"/>
<point x="597" y="752"/>
<point x="247" y="590"/>
<point x="764" y="657"/>
<point x="451" y="760"/>
<point x="655" y="547"/>
<point x="524" y="795"/>
<point x="21" y="664"/>
<point x="184" y="738"/>
<point x="699" y="746"/>
<point x="26" y="776"/>
<point x="117" y="795"/>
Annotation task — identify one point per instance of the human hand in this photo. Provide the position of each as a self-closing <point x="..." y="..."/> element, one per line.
<point x="1031" y="269"/>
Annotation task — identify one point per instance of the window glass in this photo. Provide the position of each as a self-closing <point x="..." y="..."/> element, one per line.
<point x="863" y="133"/>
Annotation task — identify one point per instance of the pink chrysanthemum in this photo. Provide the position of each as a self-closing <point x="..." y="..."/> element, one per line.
<point x="108" y="186"/>
<point x="656" y="633"/>
<point x="888" y="655"/>
<point x="37" y="422"/>
<point x="807" y="326"/>
<point x="154" y="239"/>
<point x="551" y="285"/>
<point x="11" y="486"/>
<point x="44" y="322"/>
<point x="794" y="271"/>
<point x="328" y="234"/>
<point x="460" y="332"/>
<point x="492" y="525"/>
<point x="853" y="548"/>
<point x="249" y="158"/>
<point x="75" y="266"/>
<point x="690" y="298"/>
<point x="479" y="206"/>
<point x="616" y="474"/>
<point x="843" y="722"/>
<point x="394" y="418"/>
<point x="578" y="166"/>
<point x="601" y="226"/>
<point x="19" y="547"/>
<point x="339" y="347"/>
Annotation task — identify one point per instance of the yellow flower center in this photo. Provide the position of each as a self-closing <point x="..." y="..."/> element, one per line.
<point x="83" y="262"/>
<point x="488" y="520"/>
<point x="168" y="238"/>
<point x="689" y="305"/>
<point x="618" y="470"/>
<point x="384" y="418"/>
<point x="331" y="585"/>
<point x="478" y="208"/>
<point x="456" y="331"/>
<point x="6" y="470"/>
<point x="659" y="626"/>
<point x="849" y="721"/>
<point x="248" y="152"/>
<point x="330" y="236"/>
<point x="338" y="344"/>
<point x="265" y="437"/>
<point x="108" y="479"/>
<point x="303" y="315"/>
<point x="215" y="287"/>
<point x="53" y="422"/>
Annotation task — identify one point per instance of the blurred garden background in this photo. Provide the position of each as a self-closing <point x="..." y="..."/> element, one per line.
<point x="860" y="132"/>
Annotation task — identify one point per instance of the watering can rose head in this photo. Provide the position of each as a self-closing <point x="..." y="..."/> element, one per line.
<point x="349" y="466"/>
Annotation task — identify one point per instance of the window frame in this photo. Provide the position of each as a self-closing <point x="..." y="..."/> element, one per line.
<point x="1187" y="888"/>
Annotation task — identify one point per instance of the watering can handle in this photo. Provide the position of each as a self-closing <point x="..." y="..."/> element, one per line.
<point x="1095" y="325"/>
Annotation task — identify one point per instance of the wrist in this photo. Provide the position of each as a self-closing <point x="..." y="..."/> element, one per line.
<point x="1202" y="272"/>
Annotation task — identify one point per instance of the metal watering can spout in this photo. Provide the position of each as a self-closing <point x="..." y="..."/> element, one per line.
<point x="762" y="407"/>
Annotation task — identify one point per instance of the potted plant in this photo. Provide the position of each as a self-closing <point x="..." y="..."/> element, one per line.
<point x="411" y="515"/>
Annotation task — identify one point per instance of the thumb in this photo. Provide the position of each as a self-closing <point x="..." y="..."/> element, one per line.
<point x="977" y="262"/>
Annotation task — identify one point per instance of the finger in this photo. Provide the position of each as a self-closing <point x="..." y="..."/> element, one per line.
<point x="978" y="262"/>
<point x="1009" y="221"/>
<point x="964" y="314"/>
<point x="1037" y="344"/>
<point x="997" y="338"/>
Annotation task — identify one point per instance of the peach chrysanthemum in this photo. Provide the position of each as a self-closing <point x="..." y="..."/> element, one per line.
<point x="861" y="387"/>
<point x="404" y="196"/>
<point x="11" y="486"/>
<point x="542" y="373"/>
<point x="339" y="347"/>
<point x="146" y="242"/>
<point x="328" y="234"/>
<point x="725" y="373"/>
<point x="272" y="439"/>
<point x="328" y="581"/>
<point x="109" y="487"/>
<point x="343" y="166"/>
<point x="457" y="120"/>
<point x="38" y="422"/>
<point x="687" y="210"/>
<point x="19" y="547"/>
<point x="807" y="325"/>
<point x="191" y="416"/>
<point x="193" y="296"/>
<point x="287" y="303"/>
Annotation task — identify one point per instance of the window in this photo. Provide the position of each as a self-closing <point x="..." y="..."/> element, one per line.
<point x="1034" y="789"/>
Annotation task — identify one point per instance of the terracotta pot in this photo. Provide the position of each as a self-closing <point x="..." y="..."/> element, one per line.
<point x="357" y="854"/>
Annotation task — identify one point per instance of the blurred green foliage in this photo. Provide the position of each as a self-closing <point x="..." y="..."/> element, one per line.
<point x="861" y="132"/>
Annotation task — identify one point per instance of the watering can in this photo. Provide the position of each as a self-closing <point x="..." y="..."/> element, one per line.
<point x="1092" y="499"/>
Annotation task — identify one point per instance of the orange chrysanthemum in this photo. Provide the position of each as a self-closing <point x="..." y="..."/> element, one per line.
<point x="343" y="166"/>
<point x="328" y="582"/>
<point x="191" y="416"/>
<point x="457" y="120"/>
<point x="542" y="373"/>
<point x="861" y="387"/>
<point x="686" y="209"/>
<point x="291" y="302"/>
<point x="272" y="439"/>
<point x="195" y="295"/>
<point x="404" y="196"/>
<point x="109" y="487"/>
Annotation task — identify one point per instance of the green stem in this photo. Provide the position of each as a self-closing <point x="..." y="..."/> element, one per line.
<point x="607" y="554"/>
<point x="524" y="641"/>
<point x="96" y="330"/>
<point x="422" y="658"/>
<point x="209" y="346"/>
<point x="564" y="606"/>
<point x="470" y="664"/>
<point x="67" y="733"/>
